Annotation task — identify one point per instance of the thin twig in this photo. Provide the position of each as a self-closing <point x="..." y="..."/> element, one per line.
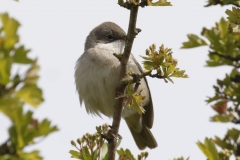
<point x="132" y="32"/>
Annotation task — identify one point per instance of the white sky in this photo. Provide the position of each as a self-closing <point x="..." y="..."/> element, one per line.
<point x="56" y="30"/>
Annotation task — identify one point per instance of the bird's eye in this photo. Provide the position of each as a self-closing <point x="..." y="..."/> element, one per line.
<point x="110" y="37"/>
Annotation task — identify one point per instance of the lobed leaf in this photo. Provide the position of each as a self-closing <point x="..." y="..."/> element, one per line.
<point x="194" y="41"/>
<point x="209" y="149"/>
<point x="20" y="56"/>
<point x="31" y="94"/>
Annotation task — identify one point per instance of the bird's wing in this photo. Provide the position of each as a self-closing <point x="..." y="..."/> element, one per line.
<point x="148" y="117"/>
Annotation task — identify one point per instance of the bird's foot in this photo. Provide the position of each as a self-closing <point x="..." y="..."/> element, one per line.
<point x="110" y="136"/>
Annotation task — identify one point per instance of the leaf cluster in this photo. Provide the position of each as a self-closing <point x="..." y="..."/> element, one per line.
<point x="234" y="18"/>
<point x="223" y="2"/>
<point x="91" y="146"/>
<point x="132" y="3"/>
<point x="210" y="150"/>
<point x="229" y="142"/>
<point x="94" y="147"/>
<point x="133" y="100"/>
<point x="127" y="155"/>
<point x="224" y="46"/>
<point x="227" y="91"/>
<point x="162" y="63"/>
<point x="157" y="64"/>
<point x="16" y="90"/>
<point x="224" y="49"/>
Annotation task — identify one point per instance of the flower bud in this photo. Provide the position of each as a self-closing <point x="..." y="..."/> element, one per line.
<point x="146" y="154"/>
<point x="147" y="51"/>
<point x="79" y="140"/>
<point x="154" y="46"/>
<point x="73" y="143"/>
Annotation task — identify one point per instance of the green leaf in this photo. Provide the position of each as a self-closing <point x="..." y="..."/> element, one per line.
<point x="170" y="80"/>
<point x="32" y="74"/>
<point x="222" y="118"/>
<point x="45" y="128"/>
<point x="223" y="2"/>
<point x="234" y="27"/>
<point x="74" y="154"/>
<point x="148" y="65"/>
<point x="194" y="41"/>
<point x="133" y="100"/>
<point x="34" y="155"/>
<point x="20" y="56"/>
<point x="31" y="94"/>
<point x="234" y="134"/>
<point x="86" y="154"/>
<point x="179" y="74"/>
<point x="209" y="149"/>
<point x="10" y="27"/>
<point x="170" y="69"/>
<point x="223" y="27"/>
<point x="159" y="3"/>
<point x="104" y="151"/>
<point x="25" y="128"/>
<point x="233" y="15"/>
<point x="8" y="104"/>
<point x="5" y="67"/>
<point x="125" y="154"/>
<point x="166" y="64"/>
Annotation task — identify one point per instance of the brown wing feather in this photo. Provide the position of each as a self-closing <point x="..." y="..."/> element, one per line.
<point x="148" y="117"/>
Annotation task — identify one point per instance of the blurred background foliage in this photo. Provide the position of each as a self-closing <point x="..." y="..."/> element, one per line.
<point x="18" y="87"/>
<point x="223" y="41"/>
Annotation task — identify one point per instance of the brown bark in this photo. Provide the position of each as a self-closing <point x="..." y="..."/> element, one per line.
<point x="132" y="32"/>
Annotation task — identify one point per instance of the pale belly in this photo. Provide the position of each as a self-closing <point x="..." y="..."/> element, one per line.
<point x="96" y="80"/>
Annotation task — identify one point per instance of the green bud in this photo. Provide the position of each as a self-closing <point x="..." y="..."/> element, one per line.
<point x="154" y="46"/>
<point x="147" y="51"/>
<point x="174" y="61"/>
<point x="73" y="142"/>
<point x="139" y="157"/>
<point x="150" y="48"/>
<point x="146" y="154"/>
<point x="161" y="48"/>
<point x="79" y="141"/>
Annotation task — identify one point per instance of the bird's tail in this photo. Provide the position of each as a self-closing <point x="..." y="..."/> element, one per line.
<point x="144" y="138"/>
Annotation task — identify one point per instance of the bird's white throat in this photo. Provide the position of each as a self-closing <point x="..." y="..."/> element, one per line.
<point x="115" y="46"/>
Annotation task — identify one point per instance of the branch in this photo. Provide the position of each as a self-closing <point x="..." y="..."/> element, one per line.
<point x="238" y="150"/>
<point x="137" y="77"/>
<point x="132" y="32"/>
<point x="6" y="149"/>
<point x="236" y="121"/>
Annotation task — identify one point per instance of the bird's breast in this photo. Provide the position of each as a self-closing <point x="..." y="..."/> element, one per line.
<point x="96" y="77"/>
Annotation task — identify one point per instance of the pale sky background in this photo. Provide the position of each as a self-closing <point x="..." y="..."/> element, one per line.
<point x="55" y="30"/>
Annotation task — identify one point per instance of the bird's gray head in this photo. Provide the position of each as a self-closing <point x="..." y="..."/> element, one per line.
<point x="106" y="32"/>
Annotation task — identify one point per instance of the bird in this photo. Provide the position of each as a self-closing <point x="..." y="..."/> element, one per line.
<point x="97" y="74"/>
